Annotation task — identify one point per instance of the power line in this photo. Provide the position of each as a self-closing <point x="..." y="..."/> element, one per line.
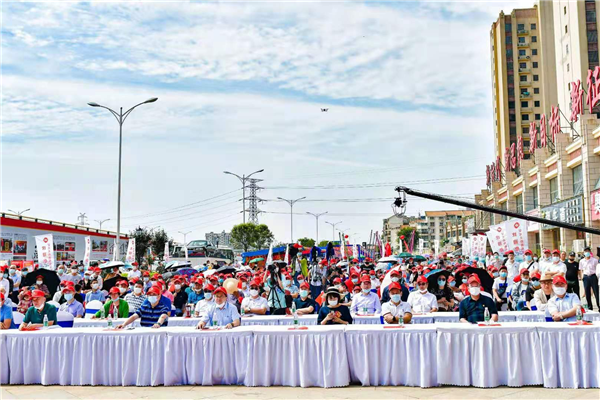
<point x="181" y="217"/>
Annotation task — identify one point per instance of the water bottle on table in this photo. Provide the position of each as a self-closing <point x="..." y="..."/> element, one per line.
<point x="109" y="322"/>
<point x="486" y="316"/>
<point x="579" y="314"/>
<point x="45" y="321"/>
<point x="102" y="315"/>
<point x="295" y="315"/>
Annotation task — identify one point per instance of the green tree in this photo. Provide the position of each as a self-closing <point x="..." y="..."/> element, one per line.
<point x="243" y="236"/>
<point x="307" y="242"/>
<point x="262" y="236"/>
<point x="407" y="233"/>
<point x="323" y="243"/>
<point x="143" y="241"/>
<point x="159" y="238"/>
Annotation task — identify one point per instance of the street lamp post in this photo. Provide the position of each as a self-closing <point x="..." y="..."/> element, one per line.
<point x="243" y="179"/>
<point x="120" y="117"/>
<point x="19" y="213"/>
<point x="291" y="203"/>
<point x="100" y="222"/>
<point x="185" y="243"/>
<point x="333" y="224"/>
<point x="317" y="218"/>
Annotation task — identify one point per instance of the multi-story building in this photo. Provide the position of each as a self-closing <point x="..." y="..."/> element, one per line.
<point x="561" y="180"/>
<point x="219" y="239"/>
<point x="391" y="229"/>
<point x="447" y="227"/>
<point x="523" y="75"/>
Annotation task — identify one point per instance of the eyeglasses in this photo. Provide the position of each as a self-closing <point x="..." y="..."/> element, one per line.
<point x="422" y="284"/>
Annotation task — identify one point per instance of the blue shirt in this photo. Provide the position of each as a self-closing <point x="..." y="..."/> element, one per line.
<point x="567" y="303"/>
<point x="194" y="297"/>
<point x="75" y="308"/>
<point x="149" y="315"/>
<point x="474" y="310"/>
<point x="222" y="316"/>
<point x="6" y="313"/>
<point x="99" y="295"/>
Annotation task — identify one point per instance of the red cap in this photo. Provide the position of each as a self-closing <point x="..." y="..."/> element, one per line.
<point x="523" y="270"/>
<point x="559" y="279"/>
<point x="528" y="252"/>
<point x="450" y="278"/>
<point x="421" y="279"/>
<point x="114" y="290"/>
<point x="209" y="288"/>
<point x="371" y="272"/>
<point x="493" y="269"/>
<point x="304" y="286"/>
<point x="337" y="281"/>
<point x="300" y="276"/>
<point x="146" y="273"/>
<point x="2" y="296"/>
<point x="510" y="252"/>
<point x="365" y="278"/>
<point x="354" y="260"/>
<point x="135" y="263"/>
<point x="536" y="275"/>
<point x="220" y="290"/>
<point x="323" y="262"/>
<point x="395" y="272"/>
<point x="354" y="274"/>
<point x="394" y="285"/>
<point x="255" y="282"/>
<point x="153" y="290"/>
<point x="37" y="293"/>
<point x="546" y="250"/>
<point x="473" y="278"/>
<point x="38" y="277"/>
<point x="555" y="251"/>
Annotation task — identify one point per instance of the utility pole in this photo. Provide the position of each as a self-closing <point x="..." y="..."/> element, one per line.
<point x="19" y="213"/>
<point x="100" y="222"/>
<point x="81" y="219"/>
<point x="317" y="218"/>
<point x="333" y="228"/>
<point x="253" y="200"/>
<point x="243" y="179"/>
<point x="291" y="203"/>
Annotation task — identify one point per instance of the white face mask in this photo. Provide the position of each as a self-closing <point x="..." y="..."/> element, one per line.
<point x="423" y="291"/>
<point x="122" y="289"/>
<point x="395" y="279"/>
<point x="221" y="305"/>
<point x="95" y="286"/>
<point x="177" y="287"/>
<point x="253" y="292"/>
<point x="332" y="302"/>
<point x="137" y="290"/>
<point x="208" y="296"/>
<point x="146" y="279"/>
<point x="559" y="290"/>
<point x="152" y="299"/>
<point x="475" y="291"/>
<point x="41" y="307"/>
<point x="38" y="282"/>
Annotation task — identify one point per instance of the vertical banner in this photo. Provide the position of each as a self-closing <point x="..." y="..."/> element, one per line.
<point x="481" y="245"/>
<point x="286" y="258"/>
<point x="436" y="246"/>
<point x="343" y="247"/>
<point x="45" y="249"/>
<point x="167" y="256"/>
<point x="497" y="237"/>
<point x="130" y="251"/>
<point x="88" y="252"/>
<point x="354" y="251"/>
<point x="466" y="246"/>
<point x="270" y="255"/>
<point x="516" y="232"/>
<point x="421" y="245"/>
<point x="401" y="248"/>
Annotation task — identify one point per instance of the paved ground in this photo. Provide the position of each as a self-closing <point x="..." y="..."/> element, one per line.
<point x="236" y="392"/>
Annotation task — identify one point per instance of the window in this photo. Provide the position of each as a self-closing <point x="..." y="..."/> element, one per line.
<point x="523" y="78"/>
<point x="534" y="52"/>
<point x="538" y="117"/>
<point x="524" y="91"/>
<point x="566" y="29"/>
<point x="534" y="39"/>
<point x="521" y="40"/>
<point x="511" y="104"/>
<point x="511" y="91"/>
<point x="593" y="56"/>
<point x="536" y="90"/>
<point x="533" y="27"/>
<point x="509" y="66"/>
<point x="578" y="180"/>
<point x="519" y="200"/>
<point x="554" y="196"/>
<point x="522" y="53"/>
<point x="509" y="40"/>
<point x="513" y="131"/>
<point x="536" y="103"/>
<point x="535" y="64"/>
<point x="536" y="78"/>
<point x="522" y="65"/>
<point x="521" y="27"/>
<point x="525" y="131"/>
<point x="565" y="10"/>
<point x="524" y="104"/>
<point x="508" y="27"/>
<point x="525" y="117"/>
<point x="534" y="196"/>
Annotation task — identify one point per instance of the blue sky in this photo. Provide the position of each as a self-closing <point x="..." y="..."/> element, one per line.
<point x="240" y="87"/>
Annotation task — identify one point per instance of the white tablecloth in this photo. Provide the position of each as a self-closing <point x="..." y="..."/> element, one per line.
<point x="268" y="320"/>
<point x="86" y="356"/>
<point x="471" y="355"/>
<point x="99" y="323"/>
<point x="4" y="371"/>
<point x="287" y="357"/>
<point x="570" y="355"/>
<point x="207" y="357"/>
<point x="392" y="356"/>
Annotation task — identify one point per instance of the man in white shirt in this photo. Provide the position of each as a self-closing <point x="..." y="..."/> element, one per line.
<point x="204" y="306"/>
<point x="135" y="271"/>
<point x="365" y="301"/>
<point x="589" y="267"/>
<point x="563" y="306"/>
<point x="255" y="304"/>
<point x="545" y="261"/>
<point x="556" y="267"/>
<point x="512" y="266"/>
<point x="421" y="301"/>
<point x="529" y="262"/>
<point x="395" y="309"/>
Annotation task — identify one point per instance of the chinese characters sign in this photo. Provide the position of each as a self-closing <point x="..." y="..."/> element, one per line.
<point x="569" y="211"/>
<point x="595" y="205"/>
<point x="88" y="252"/>
<point x="516" y="233"/>
<point x="497" y="237"/>
<point x="130" y="251"/>
<point x="45" y="251"/>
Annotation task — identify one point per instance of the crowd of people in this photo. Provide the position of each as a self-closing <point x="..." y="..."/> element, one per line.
<point x="335" y="290"/>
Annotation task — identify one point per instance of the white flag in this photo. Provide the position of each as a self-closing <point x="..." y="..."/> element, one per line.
<point x="88" y="252"/>
<point x="421" y="245"/>
<point x="354" y="251"/>
<point x="497" y="237"/>
<point x="115" y="250"/>
<point x="343" y="248"/>
<point x="466" y="246"/>
<point x="130" y="251"/>
<point x="516" y="233"/>
<point x="286" y="258"/>
<point x="270" y="255"/>
<point x="167" y="257"/>
<point x="45" y="249"/>
<point x="436" y="246"/>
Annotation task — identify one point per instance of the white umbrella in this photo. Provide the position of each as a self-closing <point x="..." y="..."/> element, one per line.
<point x="112" y="264"/>
<point x="387" y="279"/>
<point x="342" y="264"/>
<point x="388" y="259"/>
<point x="209" y="272"/>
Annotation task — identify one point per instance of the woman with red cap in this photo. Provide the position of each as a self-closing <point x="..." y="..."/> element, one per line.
<point x="39" y="285"/>
<point x="116" y="306"/>
<point x="34" y="317"/>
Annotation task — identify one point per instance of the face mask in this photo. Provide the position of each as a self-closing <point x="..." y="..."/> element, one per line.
<point x="586" y="254"/>
<point x="134" y="268"/>
<point x="61" y="271"/>
<point x="122" y="289"/>
<point x="39" y="282"/>
<point x="496" y="257"/>
<point x="304" y="293"/>
<point x="525" y="281"/>
<point x="221" y="305"/>
<point x="81" y="269"/>
<point x="354" y="280"/>
<point x="535" y="283"/>
<point x="464" y="280"/>
<point x="5" y="275"/>
<point x="423" y="291"/>
<point x="68" y="296"/>
<point x="535" y="259"/>
<point x="220" y="281"/>
<point x="24" y="272"/>
<point x="300" y="281"/>
<point x="503" y="274"/>
<point x="395" y="298"/>
<point x="452" y="284"/>
<point x="528" y="257"/>
<point x="152" y="299"/>
<point x="40" y="307"/>
<point x="366" y="291"/>
<point x="146" y="279"/>
<point x="441" y="283"/>
<point x="177" y="287"/>
<point x="87" y="277"/>
<point x="208" y="295"/>
<point x="12" y="271"/>
<point x="332" y="302"/>
<point x="114" y="300"/>
<point x="253" y="292"/>
<point x="285" y="282"/>
<point x="95" y="286"/>
<point x="555" y="259"/>
<point x="137" y="290"/>
<point x="495" y="274"/>
<point x="474" y="291"/>
<point x="559" y="290"/>
<point x="395" y="279"/>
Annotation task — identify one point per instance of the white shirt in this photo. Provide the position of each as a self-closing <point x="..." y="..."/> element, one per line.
<point x="512" y="269"/>
<point x="4" y="283"/>
<point x="525" y="264"/>
<point x="204" y="306"/>
<point x="370" y="301"/>
<point x="498" y="282"/>
<point x="422" y="303"/>
<point x="567" y="303"/>
<point x="396" y="310"/>
<point x="560" y="267"/>
<point x="544" y="263"/>
<point x="588" y="266"/>
<point x="375" y="283"/>
<point x="258" y="302"/>
<point x="134" y="274"/>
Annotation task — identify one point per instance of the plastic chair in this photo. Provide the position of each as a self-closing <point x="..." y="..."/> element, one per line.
<point x="18" y="318"/>
<point x="92" y="308"/>
<point x="64" y="319"/>
<point x="172" y="310"/>
<point x="54" y="303"/>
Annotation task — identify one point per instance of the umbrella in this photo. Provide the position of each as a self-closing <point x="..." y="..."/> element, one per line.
<point x="189" y="272"/>
<point x="255" y="260"/>
<point x="405" y="255"/>
<point x="388" y="259"/>
<point x="112" y="264"/>
<point x="109" y="283"/>
<point x="432" y="277"/>
<point x="226" y="269"/>
<point x="51" y="280"/>
<point x="420" y="258"/>
<point x="486" y="280"/>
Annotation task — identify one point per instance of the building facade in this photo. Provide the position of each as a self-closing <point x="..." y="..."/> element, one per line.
<point x="219" y="239"/>
<point x="447" y="227"/>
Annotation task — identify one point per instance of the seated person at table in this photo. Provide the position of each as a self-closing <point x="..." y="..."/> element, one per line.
<point x="96" y="293"/>
<point x="136" y="298"/>
<point x="456" y="292"/>
<point x="541" y="296"/>
<point x="152" y="313"/>
<point x="365" y="301"/>
<point x="332" y="312"/>
<point x="180" y="297"/>
<point x="222" y="313"/>
<point x="203" y="306"/>
<point x="255" y="304"/>
<point x="195" y="294"/>
<point x="444" y="295"/>
<point x="116" y="307"/>
<point x="6" y="314"/>
<point x="395" y="276"/>
<point x="71" y="305"/>
<point x="517" y="296"/>
<point x="532" y="288"/>
<point x="304" y="304"/>
<point x="34" y="317"/>
<point x="395" y="309"/>
<point x="472" y="308"/>
<point x="421" y="301"/>
<point x="562" y="306"/>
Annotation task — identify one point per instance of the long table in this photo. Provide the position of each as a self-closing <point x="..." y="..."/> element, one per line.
<point x="425" y="355"/>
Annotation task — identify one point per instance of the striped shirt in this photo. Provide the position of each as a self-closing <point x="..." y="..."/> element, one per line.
<point x="134" y="301"/>
<point x="149" y="315"/>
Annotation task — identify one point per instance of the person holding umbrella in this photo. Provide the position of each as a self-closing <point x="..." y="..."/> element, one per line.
<point x="442" y="292"/>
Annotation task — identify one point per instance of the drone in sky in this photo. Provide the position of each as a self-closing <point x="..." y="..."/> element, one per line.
<point x="324" y="109"/>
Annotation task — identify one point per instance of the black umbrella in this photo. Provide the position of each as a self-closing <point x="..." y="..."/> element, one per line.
<point x="486" y="280"/>
<point x="51" y="279"/>
<point x="432" y="278"/>
<point x="109" y="283"/>
<point x="329" y="252"/>
<point x="226" y="269"/>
